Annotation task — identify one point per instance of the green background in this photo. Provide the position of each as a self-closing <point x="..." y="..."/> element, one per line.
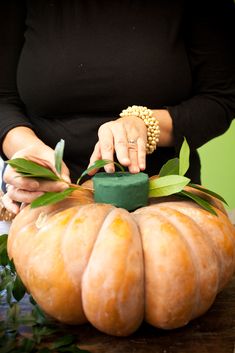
<point x="218" y="165"/>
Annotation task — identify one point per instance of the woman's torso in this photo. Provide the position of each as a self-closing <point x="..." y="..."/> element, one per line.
<point x="84" y="61"/>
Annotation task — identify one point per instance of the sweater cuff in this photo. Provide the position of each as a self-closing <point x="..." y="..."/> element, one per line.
<point x="6" y="129"/>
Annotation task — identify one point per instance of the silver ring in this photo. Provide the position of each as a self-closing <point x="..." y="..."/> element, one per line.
<point x="7" y="186"/>
<point x="132" y="145"/>
<point x="132" y="142"/>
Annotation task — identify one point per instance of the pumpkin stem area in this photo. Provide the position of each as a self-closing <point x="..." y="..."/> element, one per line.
<point x="122" y="189"/>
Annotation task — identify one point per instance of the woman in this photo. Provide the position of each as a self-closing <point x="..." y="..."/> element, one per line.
<point x="68" y="68"/>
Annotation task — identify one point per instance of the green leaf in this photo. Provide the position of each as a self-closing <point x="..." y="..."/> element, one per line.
<point x="59" y="151"/>
<point x="19" y="289"/>
<point x="9" y="288"/>
<point x="31" y="169"/>
<point x="167" y="185"/>
<point x="26" y="345"/>
<point x="50" y="198"/>
<point x="12" y="266"/>
<point x="3" y="242"/>
<point x="13" y="312"/>
<point x="27" y="320"/>
<point x="4" y="259"/>
<point x="40" y="332"/>
<point x="209" y="192"/>
<point x="184" y="158"/>
<point x="201" y="202"/>
<point x="31" y="300"/>
<point x="39" y="316"/>
<point x="97" y="165"/>
<point x="170" y="167"/>
<point x="62" y="341"/>
<point x="6" y="278"/>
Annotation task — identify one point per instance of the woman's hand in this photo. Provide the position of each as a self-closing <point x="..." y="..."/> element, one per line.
<point x="25" y="190"/>
<point x="126" y="137"/>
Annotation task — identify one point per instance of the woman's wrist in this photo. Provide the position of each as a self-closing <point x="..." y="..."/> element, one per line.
<point x="19" y="138"/>
<point x="166" y="138"/>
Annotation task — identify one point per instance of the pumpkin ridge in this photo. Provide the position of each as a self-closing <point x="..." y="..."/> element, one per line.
<point x="161" y="210"/>
<point x="160" y="239"/>
<point x="115" y="269"/>
<point x="74" y="267"/>
<point x="213" y="222"/>
<point x="178" y="207"/>
<point x="193" y="236"/>
<point x="49" y="279"/>
<point x="135" y="220"/>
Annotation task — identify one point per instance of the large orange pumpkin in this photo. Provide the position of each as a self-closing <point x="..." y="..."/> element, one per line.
<point x="87" y="262"/>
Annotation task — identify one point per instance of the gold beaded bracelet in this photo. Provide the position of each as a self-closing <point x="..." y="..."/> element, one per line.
<point x="152" y="124"/>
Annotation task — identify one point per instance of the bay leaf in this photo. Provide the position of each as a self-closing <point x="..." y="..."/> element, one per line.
<point x="184" y="158"/>
<point x="59" y="152"/>
<point x="209" y="192"/>
<point x="201" y="202"/>
<point x="31" y="169"/>
<point x="50" y="198"/>
<point x="19" y="289"/>
<point x="62" y="341"/>
<point x="170" y="167"/>
<point x="97" y="165"/>
<point x="167" y="185"/>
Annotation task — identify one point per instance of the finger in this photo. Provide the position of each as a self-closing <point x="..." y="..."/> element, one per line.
<point x="106" y="146"/>
<point x="65" y="173"/>
<point x="120" y="143"/>
<point x="12" y="178"/>
<point x="133" y="155"/>
<point x="30" y="184"/>
<point x="51" y="186"/>
<point x="19" y="195"/>
<point x="141" y="145"/>
<point x="96" y="155"/>
<point x="9" y="204"/>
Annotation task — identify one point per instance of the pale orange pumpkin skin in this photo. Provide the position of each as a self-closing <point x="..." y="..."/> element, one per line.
<point x="86" y="262"/>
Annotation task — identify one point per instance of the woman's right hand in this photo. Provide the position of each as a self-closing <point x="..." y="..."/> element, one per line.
<point x="25" y="190"/>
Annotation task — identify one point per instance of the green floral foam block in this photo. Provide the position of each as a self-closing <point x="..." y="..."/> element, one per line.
<point x="125" y="190"/>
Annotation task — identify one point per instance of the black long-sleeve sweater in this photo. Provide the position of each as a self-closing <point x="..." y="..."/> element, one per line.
<point x="67" y="66"/>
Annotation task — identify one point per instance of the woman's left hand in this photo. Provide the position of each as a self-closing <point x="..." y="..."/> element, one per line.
<point x="126" y="137"/>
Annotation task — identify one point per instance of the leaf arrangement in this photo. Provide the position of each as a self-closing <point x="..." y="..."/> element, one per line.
<point x="171" y="178"/>
<point x="172" y="181"/>
<point x="42" y="334"/>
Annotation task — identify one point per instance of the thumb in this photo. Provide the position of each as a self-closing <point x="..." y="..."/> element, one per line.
<point x="65" y="174"/>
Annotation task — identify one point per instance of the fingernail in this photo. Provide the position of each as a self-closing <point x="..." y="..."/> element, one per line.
<point x="109" y="170"/>
<point x="135" y="170"/>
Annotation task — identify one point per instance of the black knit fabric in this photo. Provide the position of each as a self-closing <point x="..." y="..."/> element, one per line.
<point x="67" y="66"/>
